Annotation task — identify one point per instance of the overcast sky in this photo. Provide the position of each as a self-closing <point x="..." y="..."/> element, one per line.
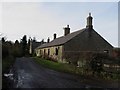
<point x="43" y="19"/>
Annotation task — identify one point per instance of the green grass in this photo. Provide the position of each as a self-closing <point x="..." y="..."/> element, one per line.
<point x="68" y="68"/>
<point x="72" y="69"/>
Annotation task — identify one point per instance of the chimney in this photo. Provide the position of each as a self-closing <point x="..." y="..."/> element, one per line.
<point x="42" y="42"/>
<point x="89" y="22"/>
<point x="66" y="30"/>
<point x="48" y="40"/>
<point x="55" y="35"/>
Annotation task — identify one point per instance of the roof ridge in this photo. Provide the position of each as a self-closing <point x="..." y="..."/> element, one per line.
<point x="70" y="33"/>
<point x="62" y="39"/>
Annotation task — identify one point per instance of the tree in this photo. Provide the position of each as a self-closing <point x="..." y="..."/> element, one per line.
<point x="16" y="42"/>
<point x="3" y="40"/>
<point x="17" y="49"/>
<point x="7" y="48"/>
<point x="24" y="45"/>
<point x="5" y="51"/>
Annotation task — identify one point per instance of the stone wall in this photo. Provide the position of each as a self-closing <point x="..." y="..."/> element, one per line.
<point x="50" y="52"/>
<point x="88" y="41"/>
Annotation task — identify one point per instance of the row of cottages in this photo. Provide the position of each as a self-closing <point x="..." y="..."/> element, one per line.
<point x="71" y="45"/>
<point x="33" y="45"/>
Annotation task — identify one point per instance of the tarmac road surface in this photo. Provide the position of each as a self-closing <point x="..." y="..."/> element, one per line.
<point x="28" y="74"/>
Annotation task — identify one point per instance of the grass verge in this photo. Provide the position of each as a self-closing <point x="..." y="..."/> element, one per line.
<point x="63" y="67"/>
<point x="72" y="69"/>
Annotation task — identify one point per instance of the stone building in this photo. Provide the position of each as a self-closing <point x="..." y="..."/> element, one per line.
<point x="34" y="44"/>
<point x="72" y="44"/>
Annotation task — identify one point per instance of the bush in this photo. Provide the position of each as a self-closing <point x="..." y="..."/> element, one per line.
<point x="96" y="62"/>
<point x="5" y="51"/>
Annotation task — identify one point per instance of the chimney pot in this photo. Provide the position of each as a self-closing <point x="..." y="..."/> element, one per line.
<point x="89" y="21"/>
<point x="55" y="35"/>
<point x="48" y="40"/>
<point x="66" y="30"/>
<point x="67" y="26"/>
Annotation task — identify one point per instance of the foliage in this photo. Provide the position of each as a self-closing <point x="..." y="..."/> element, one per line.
<point x="70" y="68"/>
<point x="7" y="63"/>
<point x="3" y="40"/>
<point x="96" y="63"/>
<point x="58" y="66"/>
<point x="10" y="51"/>
<point x="24" y="45"/>
<point x="16" y="49"/>
<point x="77" y="56"/>
<point x="93" y="63"/>
<point x="8" y="54"/>
<point x="17" y="52"/>
<point x="46" y="56"/>
<point x="7" y="49"/>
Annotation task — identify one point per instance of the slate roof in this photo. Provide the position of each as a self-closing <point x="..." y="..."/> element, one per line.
<point x="36" y="44"/>
<point x="62" y="40"/>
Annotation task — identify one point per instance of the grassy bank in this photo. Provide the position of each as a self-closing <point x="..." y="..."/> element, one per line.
<point x="63" y="67"/>
<point x="69" y="68"/>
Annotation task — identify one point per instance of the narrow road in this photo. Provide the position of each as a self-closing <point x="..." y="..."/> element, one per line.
<point x="28" y="74"/>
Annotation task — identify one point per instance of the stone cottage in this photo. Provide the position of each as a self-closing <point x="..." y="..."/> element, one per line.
<point x="72" y="44"/>
<point x="34" y="44"/>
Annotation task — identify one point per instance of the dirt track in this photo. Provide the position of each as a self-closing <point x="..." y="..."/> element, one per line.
<point x="28" y="74"/>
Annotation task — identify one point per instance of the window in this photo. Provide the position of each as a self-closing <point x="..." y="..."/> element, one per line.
<point x="40" y="52"/>
<point x="48" y="51"/>
<point x="44" y="51"/>
<point x="106" y="51"/>
<point x="56" y="51"/>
